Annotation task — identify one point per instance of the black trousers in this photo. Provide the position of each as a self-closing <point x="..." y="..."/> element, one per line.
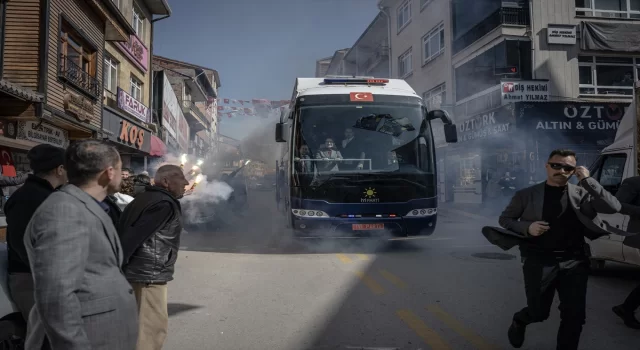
<point x="633" y="300"/>
<point x="542" y="278"/>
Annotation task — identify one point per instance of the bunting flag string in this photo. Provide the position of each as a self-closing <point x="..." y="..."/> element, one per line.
<point x="254" y="107"/>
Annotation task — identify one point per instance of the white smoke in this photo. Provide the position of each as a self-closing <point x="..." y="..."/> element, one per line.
<point x="206" y="201"/>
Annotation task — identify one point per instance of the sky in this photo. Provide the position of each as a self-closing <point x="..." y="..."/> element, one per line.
<point x="259" y="47"/>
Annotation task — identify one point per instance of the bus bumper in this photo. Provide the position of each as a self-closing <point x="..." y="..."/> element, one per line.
<point x="364" y="227"/>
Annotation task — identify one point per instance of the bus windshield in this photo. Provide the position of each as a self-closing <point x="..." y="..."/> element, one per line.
<point x="362" y="141"/>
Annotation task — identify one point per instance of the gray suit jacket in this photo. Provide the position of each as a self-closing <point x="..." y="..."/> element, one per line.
<point x="82" y="299"/>
<point x="587" y="200"/>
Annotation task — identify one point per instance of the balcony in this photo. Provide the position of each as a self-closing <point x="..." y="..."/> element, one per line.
<point x="196" y="119"/>
<point x="73" y="74"/>
<point x="504" y="16"/>
<point x="380" y="54"/>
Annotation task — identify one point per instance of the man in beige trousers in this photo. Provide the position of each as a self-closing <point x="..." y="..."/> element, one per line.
<point x="150" y="229"/>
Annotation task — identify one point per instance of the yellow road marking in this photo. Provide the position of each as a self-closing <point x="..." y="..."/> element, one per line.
<point x="345" y="259"/>
<point x="422" y="330"/>
<point x="477" y="341"/>
<point x="371" y="283"/>
<point x="393" y="279"/>
<point x="363" y="257"/>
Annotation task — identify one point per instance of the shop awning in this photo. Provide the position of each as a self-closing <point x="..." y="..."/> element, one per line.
<point x="158" y="148"/>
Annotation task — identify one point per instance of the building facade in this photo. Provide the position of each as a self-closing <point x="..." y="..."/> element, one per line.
<point x="51" y="55"/>
<point x="196" y="89"/>
<point x="127" y="121"/>
<point x="322" y="65"/>
<point x="369" y="56"/>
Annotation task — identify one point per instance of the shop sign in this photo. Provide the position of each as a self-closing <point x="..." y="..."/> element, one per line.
<point x="131" y="135"/>
<point x="42" y="133"/>
<point x="136" y="51"/>
<point x="78" y="105"/>
<point x="581" y="116"/>
<point x="562" y="34"/>
<point x="524" y="91"/>
<point x="171" y="110"/>
<point x="132" y="106"/>
<point x="489" y="124"/>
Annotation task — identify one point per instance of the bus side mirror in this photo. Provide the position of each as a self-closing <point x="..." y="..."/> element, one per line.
<point x="450" y="133"/>
<point x="450" y="130"/>
<point x="280" y="133"/>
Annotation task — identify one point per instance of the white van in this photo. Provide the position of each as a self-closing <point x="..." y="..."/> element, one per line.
<point x="616" y="163"/>
<point x="12" y="325"/>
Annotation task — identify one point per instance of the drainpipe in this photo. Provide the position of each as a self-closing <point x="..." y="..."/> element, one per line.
<point x="383" y="11"/>
<point x="533" y="45"/>
<point x="151" y="76"/>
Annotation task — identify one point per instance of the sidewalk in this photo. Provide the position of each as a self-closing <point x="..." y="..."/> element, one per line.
<point x="472" y="211"/>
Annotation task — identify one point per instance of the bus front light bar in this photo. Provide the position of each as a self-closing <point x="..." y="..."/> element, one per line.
<point x="309" y="213"/>
<point x="417" y="213"/>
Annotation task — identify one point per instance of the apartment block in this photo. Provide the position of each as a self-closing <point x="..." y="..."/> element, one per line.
<point x="420" y="51"/>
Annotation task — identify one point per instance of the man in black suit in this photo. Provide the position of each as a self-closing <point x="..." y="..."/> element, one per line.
<point x="554" y="217"/>
<point x="629" y="195"/>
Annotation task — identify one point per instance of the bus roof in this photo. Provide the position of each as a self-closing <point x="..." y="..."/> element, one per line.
<point x="316" y="86"/>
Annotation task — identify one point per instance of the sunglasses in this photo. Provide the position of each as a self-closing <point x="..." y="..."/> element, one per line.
<point x="558" y="166"/>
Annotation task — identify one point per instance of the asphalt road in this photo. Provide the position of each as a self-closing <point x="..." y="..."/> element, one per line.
<point x="249" y="286"/>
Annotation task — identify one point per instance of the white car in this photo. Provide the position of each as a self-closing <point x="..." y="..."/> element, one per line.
<point x="12" y="325"/>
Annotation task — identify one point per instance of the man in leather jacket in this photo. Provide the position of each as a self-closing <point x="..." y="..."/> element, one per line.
<point x="150" y="229"/>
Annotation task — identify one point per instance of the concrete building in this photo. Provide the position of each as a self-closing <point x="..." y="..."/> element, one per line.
<point x="369" y="56"/>
<point x="127" y="82"/>
<point x="322" y="65"/>
<point x="196" y="89"/>
<point x="337" y="65"/>
<point x="419" y="36"/>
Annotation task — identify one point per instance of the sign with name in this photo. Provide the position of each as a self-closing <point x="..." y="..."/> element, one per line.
<point x="524" y="91"/>
<point x="561" y="34"/>
<point x="490" y="124"/>
<point x="132" y="106"/>
<point x="131" y="135"/>
<point x="42" y="133"/>
<point x="585" y="117"/>
<point x="81" y="107"/>
<point x="136" y="52"/>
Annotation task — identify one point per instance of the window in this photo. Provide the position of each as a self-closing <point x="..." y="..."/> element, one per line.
<point x="478" y="74"/>
<point x="608" y="8"/>
<point x="138" y="23"/>
<point x="405" y="64"/>
<point x="404" y="14"/>
<point x="77" y="61"/>
<point x="433" y="44"/>
<point x="609" y="171"/>
<point x="110" y="72"/>
<point x="136" y="88"/>
<point x="607" y="75"/>
<point x="423" y="3"/>
<point x="435" y="97"/>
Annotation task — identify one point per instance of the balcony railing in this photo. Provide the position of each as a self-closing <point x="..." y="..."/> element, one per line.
<point x="506" y="15"/>
<point x="189" y="107"/>
<point x="75" y="75"/>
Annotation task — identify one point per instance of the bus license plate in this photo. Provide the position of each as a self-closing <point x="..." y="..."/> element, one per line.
<point x="366" y="227"/>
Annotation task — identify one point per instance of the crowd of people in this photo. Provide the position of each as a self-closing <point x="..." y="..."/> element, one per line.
<point x="92" y="248"/>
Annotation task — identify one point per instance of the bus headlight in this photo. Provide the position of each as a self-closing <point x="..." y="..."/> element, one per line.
<point x="420" y="213"/>
<point x="309" y="213"/>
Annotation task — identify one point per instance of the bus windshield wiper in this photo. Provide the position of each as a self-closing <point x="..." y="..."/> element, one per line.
<point x="328" y="180"/>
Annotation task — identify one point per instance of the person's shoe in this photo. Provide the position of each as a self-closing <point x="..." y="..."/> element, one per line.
<point x="516" y="334"/>
<point x="627" y="316"/>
